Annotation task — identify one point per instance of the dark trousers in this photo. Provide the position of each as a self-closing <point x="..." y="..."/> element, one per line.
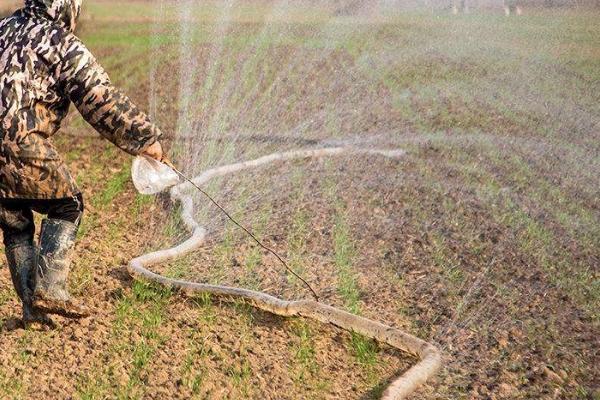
<point x="16" y="216"/>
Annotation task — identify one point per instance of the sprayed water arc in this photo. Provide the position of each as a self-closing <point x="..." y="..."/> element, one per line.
<point x="399" y="388"/>
<point x="207" y="105"/>
<point x="476" y="295"/>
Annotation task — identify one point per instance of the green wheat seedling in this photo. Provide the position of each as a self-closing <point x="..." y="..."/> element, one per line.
<point x="254" y="257"/>
<point x="297" y="245"/>
<point x="306" y="370"/>
<point x="6" y="294"/>
<point x="192" y="375"/>
<point x="365" y="350"/>
<point x="115" y="186"/>
<point x="144" y="310"/>
<point x="11" y="388"/>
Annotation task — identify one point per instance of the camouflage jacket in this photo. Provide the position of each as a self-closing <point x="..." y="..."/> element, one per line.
<point x="43" y="68"/>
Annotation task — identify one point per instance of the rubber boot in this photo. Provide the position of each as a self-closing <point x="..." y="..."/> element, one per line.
<point x="54" y="262"/>
<point x="21" y="262"/>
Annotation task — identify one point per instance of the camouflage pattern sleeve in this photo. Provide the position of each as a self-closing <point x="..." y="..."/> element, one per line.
<point x="103" y="106"/>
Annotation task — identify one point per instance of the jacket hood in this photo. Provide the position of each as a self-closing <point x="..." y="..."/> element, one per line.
<point x="61" y="12"/>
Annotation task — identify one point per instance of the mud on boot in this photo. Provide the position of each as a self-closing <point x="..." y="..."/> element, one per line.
<point x="51" y="295"/>
<point x="22" y="262"/>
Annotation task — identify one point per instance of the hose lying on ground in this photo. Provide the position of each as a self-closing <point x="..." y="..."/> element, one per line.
<point x="402" y="386"/>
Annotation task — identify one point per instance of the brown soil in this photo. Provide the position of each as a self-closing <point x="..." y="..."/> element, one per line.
<point x="432" y="257"/>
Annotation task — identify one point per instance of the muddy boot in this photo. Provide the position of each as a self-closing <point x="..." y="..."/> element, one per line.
<point x="21" y="262"/>
<point x="54" y="262"/>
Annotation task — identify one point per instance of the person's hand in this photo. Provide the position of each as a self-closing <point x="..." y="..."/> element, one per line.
<point x="155" y="151"/>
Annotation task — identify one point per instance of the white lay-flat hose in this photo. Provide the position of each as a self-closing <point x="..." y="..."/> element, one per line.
<point x="399" y="388"/>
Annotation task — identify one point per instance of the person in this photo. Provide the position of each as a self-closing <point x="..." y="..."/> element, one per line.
<point x="44" y="68"/>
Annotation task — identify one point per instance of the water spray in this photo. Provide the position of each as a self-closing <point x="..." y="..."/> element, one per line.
<point x="150" y="176"/>
<point x="242" y="227"/>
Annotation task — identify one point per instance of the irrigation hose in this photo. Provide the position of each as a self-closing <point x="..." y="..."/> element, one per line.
<point x="242" y="227"/>
<point x="400" y="386"/>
